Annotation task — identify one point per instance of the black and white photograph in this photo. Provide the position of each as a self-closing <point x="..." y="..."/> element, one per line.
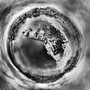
<point x="44" y="45"/>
